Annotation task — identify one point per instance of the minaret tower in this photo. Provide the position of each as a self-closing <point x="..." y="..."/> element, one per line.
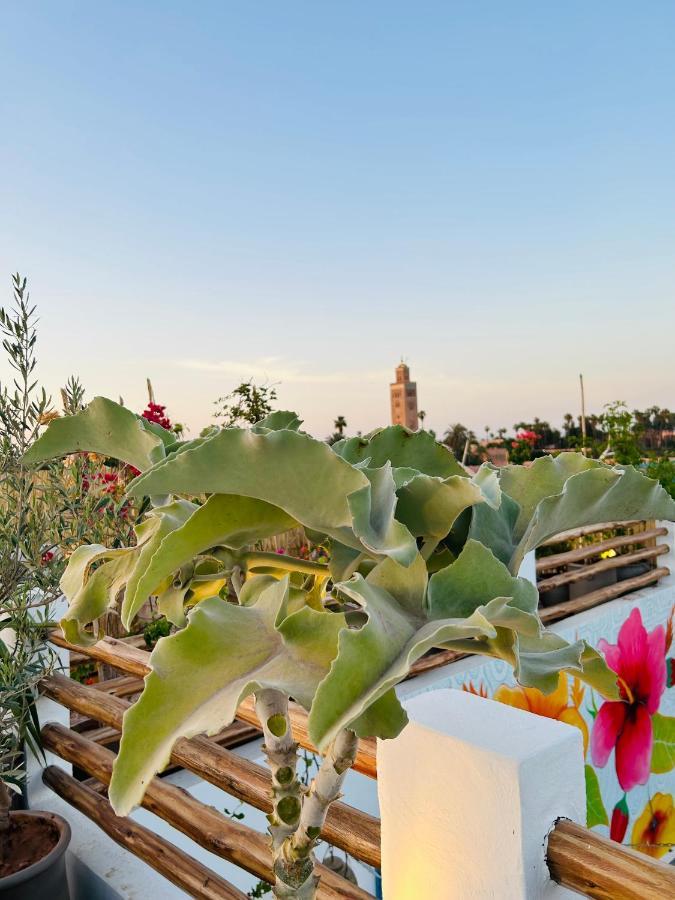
<point x="404" y="399"/>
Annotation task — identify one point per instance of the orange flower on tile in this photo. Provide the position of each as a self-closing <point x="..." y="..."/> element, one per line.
<point x="558" y="705"/>
<point x="654" y="831"/>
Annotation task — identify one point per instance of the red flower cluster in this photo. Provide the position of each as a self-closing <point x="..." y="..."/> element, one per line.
<point x="530" y="436"/>
<point x="156" y="413"/>
<point x="108" y="480"/>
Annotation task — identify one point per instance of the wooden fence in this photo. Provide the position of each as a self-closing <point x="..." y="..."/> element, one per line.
<point x="578" y="858"/>
<point x="596" y="558"/>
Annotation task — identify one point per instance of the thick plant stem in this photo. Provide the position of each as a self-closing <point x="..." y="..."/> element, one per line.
<point x="282" y="755"/>
<point x="296" y="857"/>
<point x="256" y="559"/>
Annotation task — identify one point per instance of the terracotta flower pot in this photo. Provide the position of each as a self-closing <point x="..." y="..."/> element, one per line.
<point x="37" y="846"/>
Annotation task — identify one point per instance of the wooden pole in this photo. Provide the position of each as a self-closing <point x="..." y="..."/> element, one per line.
<point x="596" y="867"/>
<point x="583" y="416"/>
<point x="212" y="830"/>
<point x="151" y="393"/>
<point x="137" y="662"/>
<point x="167" y="859"/>
<point x="345" y="827"/>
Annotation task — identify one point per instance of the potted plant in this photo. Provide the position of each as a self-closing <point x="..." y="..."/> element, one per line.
<point x="421" y="556"/>
<point x="32" y="844"/>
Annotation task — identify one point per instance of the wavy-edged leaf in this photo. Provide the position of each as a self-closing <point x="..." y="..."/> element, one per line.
<point x="429" y="506"/>
<point x="200" y="675"/>
<point x="402" y="448"/>
<point x="373" y="508"/>
<point x="474" y="579"/>
<point x="554" y="495"/>
<point x="225" y="519"/>
<point x="103" y="427"/>
<point x="371" y="660"/>
<point x="278" y="420"/>
<point x="168" y="438"/>
<point x="162" y="521"/>
<point x="293" y="472"/>
<point x="91" y="595"/>
<point x="474" y="605"/>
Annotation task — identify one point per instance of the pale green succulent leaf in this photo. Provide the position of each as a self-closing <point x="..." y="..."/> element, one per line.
<point x="278" y="420"/>
<point x="407" y="585"/>
<point x="200" y="675"/>
<point x="97" y="594"/>
<point x="473" y="580"/>
<point x="103" y="427"/>
<point x="401" y="448"/>
<point x="554" y="495"/>
<point x="343" y="560"/>
<point x="161" y="522"/>
<point x="168" y="438"/>
<point x="171" y="603"/>
<point x="385" y="718"/>
<point x="429" y="506"/>
<point x="373" y="659"/>
<point x="373" y="508"/>
<point x="225" y="519"/>
<point x="293" y="472"/>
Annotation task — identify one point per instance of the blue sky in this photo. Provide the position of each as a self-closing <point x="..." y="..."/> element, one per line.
<point x="305" y="192"/>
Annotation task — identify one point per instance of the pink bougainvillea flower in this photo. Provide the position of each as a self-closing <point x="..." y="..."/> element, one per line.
<point x="626" y="725"/>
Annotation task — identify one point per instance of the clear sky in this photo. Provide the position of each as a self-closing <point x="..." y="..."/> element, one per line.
<point x="304" y="192"/>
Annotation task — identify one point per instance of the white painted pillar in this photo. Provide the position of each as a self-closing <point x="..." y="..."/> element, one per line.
<point x="468" y="794"/>
<point x="668" y="559"/>
<point x="528" y="568"/>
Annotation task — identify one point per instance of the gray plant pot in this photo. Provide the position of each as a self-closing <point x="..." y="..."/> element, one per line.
<point x="592" y="583"/>
<point x="633" y="570"/>
<point x="47" y="877"/>
<point x="555" y="596"/>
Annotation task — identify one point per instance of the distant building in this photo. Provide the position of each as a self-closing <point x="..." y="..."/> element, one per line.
<point x="404" y="399"/>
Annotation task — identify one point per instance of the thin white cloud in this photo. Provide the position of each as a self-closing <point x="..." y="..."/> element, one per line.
<point x="275" y="369"/>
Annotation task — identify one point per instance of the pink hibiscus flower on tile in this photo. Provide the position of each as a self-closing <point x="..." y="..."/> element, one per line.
<point x="625" y="725"/>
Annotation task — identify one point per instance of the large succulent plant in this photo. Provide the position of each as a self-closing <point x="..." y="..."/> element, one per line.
<point x="422" y="555"/>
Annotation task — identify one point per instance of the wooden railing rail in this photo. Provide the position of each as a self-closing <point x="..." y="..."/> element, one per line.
<point x="167" y="859"/>
<point x="348" y="828"/>
<point x="603" y="565"/>
<point x="136" y="662"/>
<point x="585" y="530"/>
<point x="595" y="598"/>
<point x="581" y="553"/>
<point x="229" y="839"/>
<point x="596" y="867"/>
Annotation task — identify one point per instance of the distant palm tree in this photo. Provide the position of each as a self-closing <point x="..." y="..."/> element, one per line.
<point x="421" y="415"/>
<point x="339" y="425"/>
<point x="456" y="438"/>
